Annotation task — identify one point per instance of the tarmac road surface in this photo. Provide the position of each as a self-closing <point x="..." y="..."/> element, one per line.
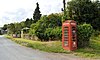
<point x="9" y="50"/>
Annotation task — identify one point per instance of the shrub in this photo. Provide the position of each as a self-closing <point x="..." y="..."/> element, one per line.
<point x="84" y="33"/>
<point x="49" y="34"/>
<point x="53" y="33"/>
<point x="57" y="32"/>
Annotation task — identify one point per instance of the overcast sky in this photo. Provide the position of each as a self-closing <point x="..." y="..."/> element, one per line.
<point x="18" y="10"/>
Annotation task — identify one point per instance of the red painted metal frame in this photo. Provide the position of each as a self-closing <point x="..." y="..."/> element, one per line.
<point x="69" y="24"/>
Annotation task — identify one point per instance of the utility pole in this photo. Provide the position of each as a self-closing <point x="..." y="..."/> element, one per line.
<point x="64" y="7"/>
<point x="64" y="11"/>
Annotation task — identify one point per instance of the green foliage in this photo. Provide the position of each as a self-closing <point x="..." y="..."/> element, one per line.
<point x="54" y="33"/>
<point x="49" y="33"/>
<point x="17" y="28"/>
<point x="14" y="28"/>
<point x="39" y="28"/>
<point x="93" y="50"/>
<point x="47" y="27"/>
<point x="36" y="14"/>
<point x="85" y="11"/>
<point x="11" y="28"/>
<point x="22" y="24"/>
<point x="54" y="20"/>
<point x="5" y="27"/>
<point x="57" y="32"/>
<point x="84" y="33"/>
<point x="28" y="22"/>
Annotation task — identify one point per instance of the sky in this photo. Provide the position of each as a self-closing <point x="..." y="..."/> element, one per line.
<point x="18" y="10"/>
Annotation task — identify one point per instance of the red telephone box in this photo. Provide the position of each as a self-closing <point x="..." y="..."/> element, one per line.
<point x="69" y="40"/>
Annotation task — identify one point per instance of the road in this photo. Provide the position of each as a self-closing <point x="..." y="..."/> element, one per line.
<point x="9" y="50"/>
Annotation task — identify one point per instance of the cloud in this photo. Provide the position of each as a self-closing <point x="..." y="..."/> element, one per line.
<point x="16" y="16"/>
<point x="50" y="6"/>
<point x="18" y="10"/>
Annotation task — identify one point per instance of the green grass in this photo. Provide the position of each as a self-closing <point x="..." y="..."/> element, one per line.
<point x="53" y="46"/>
<point x="93" y="51"/>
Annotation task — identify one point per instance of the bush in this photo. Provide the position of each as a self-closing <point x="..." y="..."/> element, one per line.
<point x="49" y="34"/>
<point x="57" y="32"/>
<point x="54" y="33"/>
<point x="84" y="33"/>
<point x="48" y="27"/>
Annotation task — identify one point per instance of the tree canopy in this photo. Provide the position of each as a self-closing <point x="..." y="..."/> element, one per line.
<point x="37" y="13"/>
<point x="85" y="11"/>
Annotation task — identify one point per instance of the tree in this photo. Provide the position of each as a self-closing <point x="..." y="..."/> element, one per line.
<point x="18" y="28"/>
<point x="22" y="24"/>
<point x="36" y="14"/>
<point x="54" y="20"/>
<point x="28" y="22"/>
<point x="45" y="28"/>
<point x="5" y="27"/>
<point x="85" y="11"/>
<point x="11" y="28"/>
<point x="39" y="28"/>
<point x="14" y="28"/>
<point x="96" y="15"/>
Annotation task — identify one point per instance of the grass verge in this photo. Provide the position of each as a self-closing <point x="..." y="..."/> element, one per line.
<point x="53" y="46"/>
<point x="93" y="51"/>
